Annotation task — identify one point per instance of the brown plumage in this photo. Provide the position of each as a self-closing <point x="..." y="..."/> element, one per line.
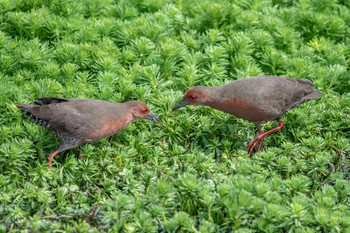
<point x="79" y="121"/>
<point x="256" y="99"/>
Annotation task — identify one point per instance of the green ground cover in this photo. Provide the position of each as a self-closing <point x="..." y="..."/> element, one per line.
<point x="192" y="174"/>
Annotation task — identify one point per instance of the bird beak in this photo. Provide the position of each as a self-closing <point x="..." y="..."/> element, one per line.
<point x="153" y="117"/>
<point x="181" y="104"/>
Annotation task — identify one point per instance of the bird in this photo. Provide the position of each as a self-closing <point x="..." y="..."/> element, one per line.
<point x="256" y="99"/>
<point x="79" y="121"/>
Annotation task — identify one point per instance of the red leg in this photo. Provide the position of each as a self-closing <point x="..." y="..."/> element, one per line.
<point x="251" y="145"/>
<point x="260" y="138"/>
<point x="51" y="156"/>
<point x="261" y="141"/>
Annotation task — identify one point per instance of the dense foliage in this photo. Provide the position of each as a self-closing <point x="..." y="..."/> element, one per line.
<point x="191" y="174"/>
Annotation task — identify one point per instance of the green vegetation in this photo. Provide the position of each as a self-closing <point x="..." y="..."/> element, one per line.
<point x="192" y="175"/>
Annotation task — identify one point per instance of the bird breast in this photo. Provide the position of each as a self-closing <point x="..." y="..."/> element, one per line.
<point x="106" y="129"/>
<point x="242" y="109"/>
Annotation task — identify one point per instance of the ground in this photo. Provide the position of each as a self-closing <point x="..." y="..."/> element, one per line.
<point x="190" y="174"/>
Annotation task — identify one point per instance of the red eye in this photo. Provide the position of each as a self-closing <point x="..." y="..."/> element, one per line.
<point x="145" y="110"/>
<point x="192" y="97"/>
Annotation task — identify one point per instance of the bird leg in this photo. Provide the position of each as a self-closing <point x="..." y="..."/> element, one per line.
<point x="260" y="138"/>
<point x="252" y="144"/>
<point x="51" y="156"/>
<point x="110" y="139"/>
<point x="80" y="156"/>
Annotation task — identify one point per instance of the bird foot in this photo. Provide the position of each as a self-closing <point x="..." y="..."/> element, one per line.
<point x="51" y="156"/>
<point x="251" y="145"/>
<point x="260" y="138"/>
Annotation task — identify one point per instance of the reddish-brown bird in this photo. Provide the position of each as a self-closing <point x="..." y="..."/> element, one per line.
<point x="256" y="99"/>
<point x="79" y="121"/>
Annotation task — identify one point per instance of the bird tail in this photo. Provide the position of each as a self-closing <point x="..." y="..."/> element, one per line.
<point x="313" y="95"/>
<point x="310" y="96"/>
<point x="26" y="108"/>
<point x="29" y="111"/>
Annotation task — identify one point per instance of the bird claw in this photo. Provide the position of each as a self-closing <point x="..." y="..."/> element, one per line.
<point x="260" y="138"/>
<point x="252" y="145"/>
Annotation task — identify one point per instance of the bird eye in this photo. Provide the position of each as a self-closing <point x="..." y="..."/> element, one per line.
<point x="145" y="110"/>
<point x="192" y="97"/>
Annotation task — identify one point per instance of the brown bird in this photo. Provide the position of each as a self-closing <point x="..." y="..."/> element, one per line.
<point x="79" y="121"/>
<point x="256" y="99"/>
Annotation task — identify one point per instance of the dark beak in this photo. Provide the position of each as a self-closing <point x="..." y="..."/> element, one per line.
<point x="153" y="117"/>
<point x="181" y="104"/>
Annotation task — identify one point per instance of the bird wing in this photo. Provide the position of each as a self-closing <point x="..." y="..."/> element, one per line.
<point x="59" y="117"/>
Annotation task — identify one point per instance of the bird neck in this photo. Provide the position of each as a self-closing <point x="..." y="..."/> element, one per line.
<point x="129" y="118"/>
<point x="210" y="96"/>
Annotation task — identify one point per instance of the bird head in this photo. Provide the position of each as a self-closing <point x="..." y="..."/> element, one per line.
<point x="141" y="111"/>
<point x="193" y="96"/>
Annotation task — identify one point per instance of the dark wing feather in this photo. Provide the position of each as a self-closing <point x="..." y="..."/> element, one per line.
<point x="60" y="117"/>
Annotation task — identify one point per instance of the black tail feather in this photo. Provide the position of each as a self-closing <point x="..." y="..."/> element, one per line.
<point x="49" y="100"/>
